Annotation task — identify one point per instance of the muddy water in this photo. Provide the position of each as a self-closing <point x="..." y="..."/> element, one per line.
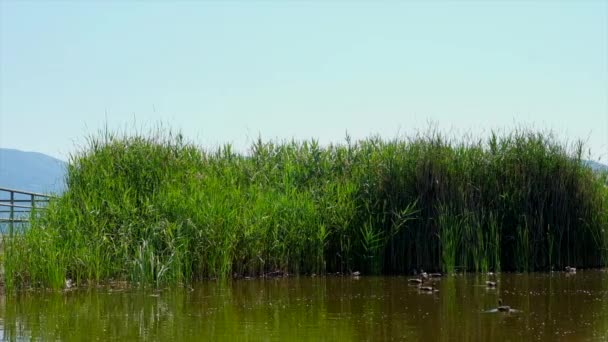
<point x="549" y="307"/>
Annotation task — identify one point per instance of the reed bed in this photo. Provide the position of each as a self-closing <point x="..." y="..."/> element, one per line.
<point x="156" y="210"/>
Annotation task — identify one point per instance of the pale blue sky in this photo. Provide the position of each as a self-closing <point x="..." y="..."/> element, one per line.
<point x="228" y="72"/>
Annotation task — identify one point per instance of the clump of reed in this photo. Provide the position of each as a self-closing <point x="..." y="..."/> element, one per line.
<point x="154" y="209"/>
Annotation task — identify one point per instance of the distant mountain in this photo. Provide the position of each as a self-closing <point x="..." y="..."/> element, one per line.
<point x="595" y="166"/>
<point x="31" y="171"/>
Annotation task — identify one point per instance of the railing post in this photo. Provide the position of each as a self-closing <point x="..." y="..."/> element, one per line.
<point x="33" y="209"/>
<point x="12" y="213"/>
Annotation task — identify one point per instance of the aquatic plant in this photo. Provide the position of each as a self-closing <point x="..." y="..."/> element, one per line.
<point x="155" y="209"/>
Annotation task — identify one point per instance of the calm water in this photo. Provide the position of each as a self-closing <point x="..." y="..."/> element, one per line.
<point x="551" y="307"/>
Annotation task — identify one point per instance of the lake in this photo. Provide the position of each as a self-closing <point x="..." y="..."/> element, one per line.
<point x="550" y="307"/>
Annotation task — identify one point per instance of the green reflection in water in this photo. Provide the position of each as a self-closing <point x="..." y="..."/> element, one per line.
<point x="552" y="306"/>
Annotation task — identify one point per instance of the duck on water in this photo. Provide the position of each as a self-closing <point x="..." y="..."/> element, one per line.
<point x="423" y="276"/>
<point x="415" y="281"/>
<point x="428" y="289"/>
<point x="502" y="308"/>
<point x="429" y="275"/>
<point x="419" y="279"/>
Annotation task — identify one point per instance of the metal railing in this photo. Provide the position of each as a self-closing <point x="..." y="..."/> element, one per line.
<point x="17" y="206"/>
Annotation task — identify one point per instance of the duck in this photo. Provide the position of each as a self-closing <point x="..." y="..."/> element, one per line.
<point x="491" y="283"/>
<point x="570" y="269"/>
<point x="424" y="274"/>
<point x="503" y="308"/>
<point x="428" y="288"/>
<point x="435" y="275"/>
<point x="415" y="281"/>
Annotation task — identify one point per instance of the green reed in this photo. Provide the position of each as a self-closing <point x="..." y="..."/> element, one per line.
<point x="450" y="232"/>
<point x="154" y="209"/>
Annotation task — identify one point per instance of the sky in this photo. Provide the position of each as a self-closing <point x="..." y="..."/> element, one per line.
<point x="230" y="72"/>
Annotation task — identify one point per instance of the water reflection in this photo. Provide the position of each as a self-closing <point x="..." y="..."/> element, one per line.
<point x="549" y="307"/>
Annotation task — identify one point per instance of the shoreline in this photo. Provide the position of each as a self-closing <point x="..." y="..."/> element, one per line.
<point x="115" y="285"/>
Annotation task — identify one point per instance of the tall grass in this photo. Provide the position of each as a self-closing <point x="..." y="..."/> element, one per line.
<point x="154" y="209"/>
<point x="450" y="232"/>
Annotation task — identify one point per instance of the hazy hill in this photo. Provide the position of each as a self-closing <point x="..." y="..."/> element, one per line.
<point x="31" y="171"/>
<point x="596" y="166"/>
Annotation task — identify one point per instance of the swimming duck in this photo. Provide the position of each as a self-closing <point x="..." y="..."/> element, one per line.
<point x="503" y="308"/>
<point x="428" y="288"/>
<point x="415" y="281"/>
<point x="423" y="274"/>
<point x="491" y="283"/>
<point x="570" y="269"/>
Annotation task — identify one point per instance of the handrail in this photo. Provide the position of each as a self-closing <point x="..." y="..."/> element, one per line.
<point x="20" y="206"/>
<point x="22" y="210"/>
<point x="26" y="192"/>
<point x="26" y="200"/>
<point x="15" y="220"/>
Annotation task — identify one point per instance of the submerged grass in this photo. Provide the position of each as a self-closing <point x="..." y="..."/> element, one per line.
<point x="156" y="210"/>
